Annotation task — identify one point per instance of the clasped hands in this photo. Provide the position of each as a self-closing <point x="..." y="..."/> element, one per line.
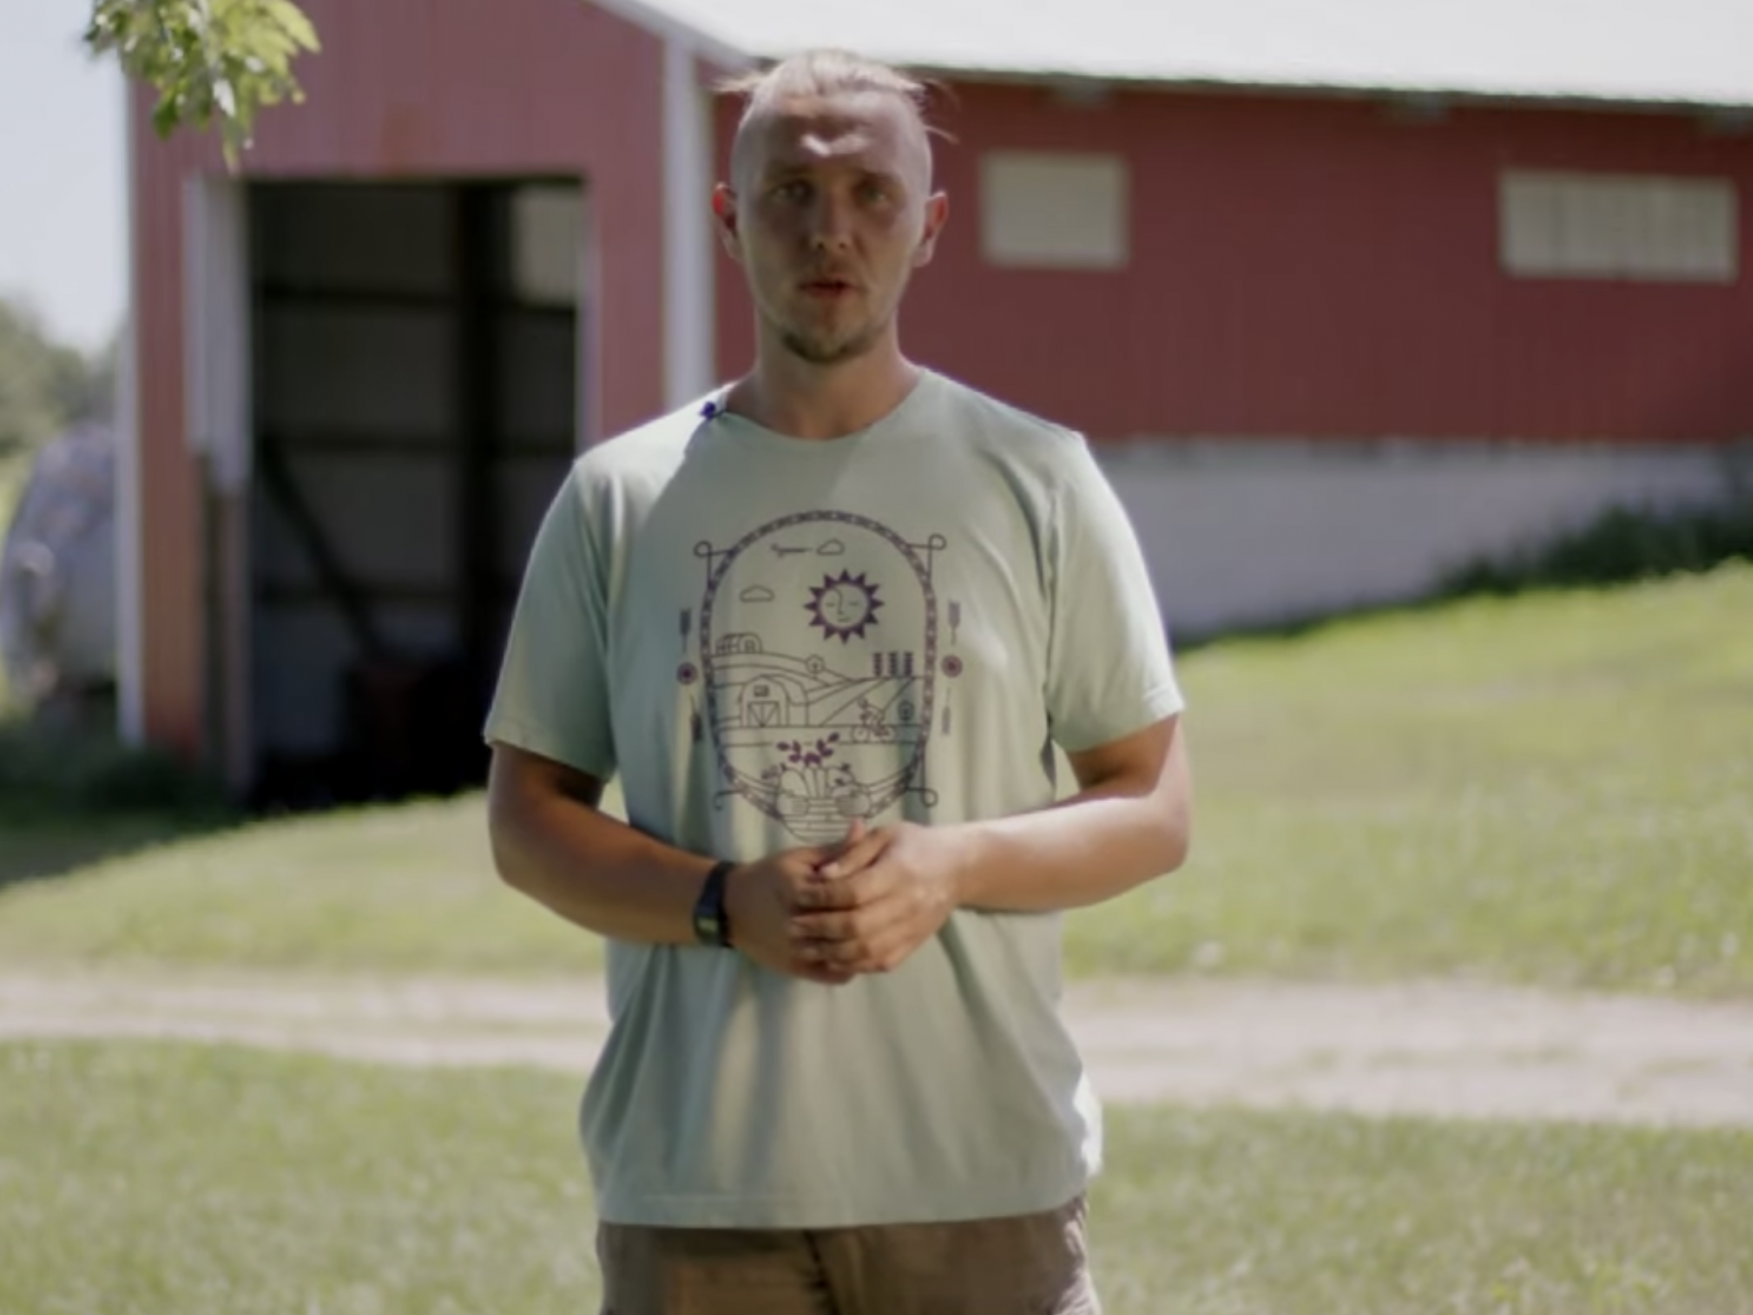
<point x="831" y="913"/>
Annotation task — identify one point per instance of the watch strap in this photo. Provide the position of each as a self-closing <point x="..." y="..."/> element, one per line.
<point x="711" y="922"/>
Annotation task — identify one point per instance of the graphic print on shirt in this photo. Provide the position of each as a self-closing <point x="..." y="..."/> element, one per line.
<point x="818" y="660"/>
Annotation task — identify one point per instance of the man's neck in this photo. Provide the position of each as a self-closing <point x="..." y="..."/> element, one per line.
<point x="801" y="400"/>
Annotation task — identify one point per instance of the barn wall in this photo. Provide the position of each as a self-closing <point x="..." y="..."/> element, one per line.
<point x="1305" y="268"/>
<point x="172" y="631"/>
<point x="404" y="89"/>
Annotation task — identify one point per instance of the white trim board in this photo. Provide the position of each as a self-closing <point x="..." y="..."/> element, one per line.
<point x="130" y="497"/>
<point x="688" y="302"/>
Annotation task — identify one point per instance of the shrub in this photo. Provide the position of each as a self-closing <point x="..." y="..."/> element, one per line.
<point x="1621" y="545"/>
<point x="50" y="769"/>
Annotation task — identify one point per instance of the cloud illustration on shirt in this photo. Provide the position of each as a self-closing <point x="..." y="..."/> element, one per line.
<point x="832" y="548"/>
<point x="756" y="594"/>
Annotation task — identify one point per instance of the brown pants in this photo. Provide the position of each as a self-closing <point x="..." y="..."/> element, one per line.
<point x="1028" y="1265"/>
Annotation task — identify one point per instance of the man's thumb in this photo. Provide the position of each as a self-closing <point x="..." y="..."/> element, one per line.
<point x="854" y="833"/>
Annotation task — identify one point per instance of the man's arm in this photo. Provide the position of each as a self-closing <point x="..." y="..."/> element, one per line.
<point x="1129" y="822"/>
<point x="552" y="842"/>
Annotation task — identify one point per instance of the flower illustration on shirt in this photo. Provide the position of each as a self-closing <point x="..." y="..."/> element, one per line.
<point x="844" y="606"/>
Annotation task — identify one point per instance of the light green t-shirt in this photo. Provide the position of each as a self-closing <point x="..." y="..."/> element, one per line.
<point x="766" y="637"/>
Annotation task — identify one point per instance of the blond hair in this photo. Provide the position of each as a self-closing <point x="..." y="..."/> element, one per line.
<point x="823" y="72"/>
<point x="816" y="74"/>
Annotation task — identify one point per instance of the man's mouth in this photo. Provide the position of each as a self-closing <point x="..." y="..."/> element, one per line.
<point x="827" y="287"/>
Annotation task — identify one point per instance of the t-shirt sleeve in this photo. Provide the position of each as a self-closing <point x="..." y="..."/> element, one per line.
<point x="552" y="696"/>
<point x="1109" y="669"/>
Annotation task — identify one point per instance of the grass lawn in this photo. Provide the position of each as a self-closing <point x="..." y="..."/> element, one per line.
<point x="1554" y="789"/>
<point x="186" y="1180"/>
<point x="383" y="889"/>
<point x="37" y="849"/>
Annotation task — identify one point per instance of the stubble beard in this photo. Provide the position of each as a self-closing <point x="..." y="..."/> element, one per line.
<point x="838" y="344"/>
<point x="829" y="348"/>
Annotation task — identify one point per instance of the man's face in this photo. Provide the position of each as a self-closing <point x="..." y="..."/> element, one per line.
<point x="829" y="214"/>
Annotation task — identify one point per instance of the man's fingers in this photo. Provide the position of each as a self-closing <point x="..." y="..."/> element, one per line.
<point x="881" y="953"/>
<point x="857" y="855"/>
<point x="826" y="854"/>
<point x="840" y="938"/>
<point x="885" y="955"/>
<point x="806" y="928"/>
<point x="862" y="886"/>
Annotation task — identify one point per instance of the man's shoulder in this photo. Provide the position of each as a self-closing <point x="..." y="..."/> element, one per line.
<point x="650" y="451"/>
<point x="1020" y="431"/>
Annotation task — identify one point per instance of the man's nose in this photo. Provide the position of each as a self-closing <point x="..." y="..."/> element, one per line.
<point x="831" y="222"/>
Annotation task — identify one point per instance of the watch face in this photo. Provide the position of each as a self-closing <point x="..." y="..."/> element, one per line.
<point x="710" y="924"/>
<point x="706" y="927"/>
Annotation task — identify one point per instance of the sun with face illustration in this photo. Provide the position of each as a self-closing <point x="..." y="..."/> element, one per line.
<point x="844" y="606"/>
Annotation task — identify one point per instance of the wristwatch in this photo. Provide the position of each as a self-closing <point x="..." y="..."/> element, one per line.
<point x="711" y="922"/>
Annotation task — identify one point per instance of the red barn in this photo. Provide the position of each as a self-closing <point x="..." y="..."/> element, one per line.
<point x="1343" y="293"/>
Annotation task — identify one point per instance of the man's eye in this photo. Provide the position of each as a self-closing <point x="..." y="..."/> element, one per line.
<point x="796" y="190"/>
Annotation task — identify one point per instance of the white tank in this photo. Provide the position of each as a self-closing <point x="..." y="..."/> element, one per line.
<point x="57" y="573"/>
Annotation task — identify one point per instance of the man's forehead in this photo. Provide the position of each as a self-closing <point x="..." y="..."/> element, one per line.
<point x="871" y="127"/>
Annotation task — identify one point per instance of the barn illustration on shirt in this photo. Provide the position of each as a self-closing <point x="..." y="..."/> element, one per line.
<point x="818" y="667"/>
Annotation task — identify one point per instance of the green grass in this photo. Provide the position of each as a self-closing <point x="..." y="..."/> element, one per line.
<point x="139" y="1180"/>
<point x="31" y="850"/>
<point x="407" y="888"/>
<point x="1553" y="789"/>
<point x="148" y="1179"/>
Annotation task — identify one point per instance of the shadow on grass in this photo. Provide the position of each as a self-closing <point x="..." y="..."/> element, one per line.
<point x="45" y="847"/>
<point x="71" y="797"/>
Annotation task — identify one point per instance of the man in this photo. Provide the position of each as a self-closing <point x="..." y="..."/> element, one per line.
<point x="828" y="626"/>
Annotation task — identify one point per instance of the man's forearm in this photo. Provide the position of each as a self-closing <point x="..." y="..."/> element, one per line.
<point x="594" y="870"/>
<point x="1092" y="847"/>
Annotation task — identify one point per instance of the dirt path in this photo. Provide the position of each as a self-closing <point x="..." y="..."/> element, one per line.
<point x="1427" y="1049"/>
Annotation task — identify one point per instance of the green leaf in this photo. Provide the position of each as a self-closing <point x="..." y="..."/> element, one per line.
<point x="213" y="62"/>
<point x="294" y="22"/>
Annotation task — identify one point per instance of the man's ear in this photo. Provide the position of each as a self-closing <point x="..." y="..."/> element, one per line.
<point x="724" y="215"/>
<point x="937" y="214"/>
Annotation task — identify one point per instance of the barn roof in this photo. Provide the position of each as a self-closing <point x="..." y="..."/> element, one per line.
<point x="1652" y="52"/>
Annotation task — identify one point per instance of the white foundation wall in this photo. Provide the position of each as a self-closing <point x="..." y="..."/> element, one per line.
<point x="1241" y="531"/>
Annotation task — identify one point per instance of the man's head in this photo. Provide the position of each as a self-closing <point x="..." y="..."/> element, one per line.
<point x="829" y="207"/>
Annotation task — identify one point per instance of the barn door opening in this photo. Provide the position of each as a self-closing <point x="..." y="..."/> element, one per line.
<point x="417" y="391"/>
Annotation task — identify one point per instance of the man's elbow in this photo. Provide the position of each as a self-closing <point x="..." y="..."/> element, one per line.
<point x="1173" y="814"/>
<point x="508" y="826"/>
<point x="1174" y="794"/>
<point x="504" y="846"/>
<point x="1176" y="840"/>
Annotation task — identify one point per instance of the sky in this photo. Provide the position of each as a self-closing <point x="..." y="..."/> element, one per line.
<point x="63" y="207"/>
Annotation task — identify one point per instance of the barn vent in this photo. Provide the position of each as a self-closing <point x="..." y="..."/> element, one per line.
<point x="1618" y="226"/>
<point x="1054" y="210"/>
